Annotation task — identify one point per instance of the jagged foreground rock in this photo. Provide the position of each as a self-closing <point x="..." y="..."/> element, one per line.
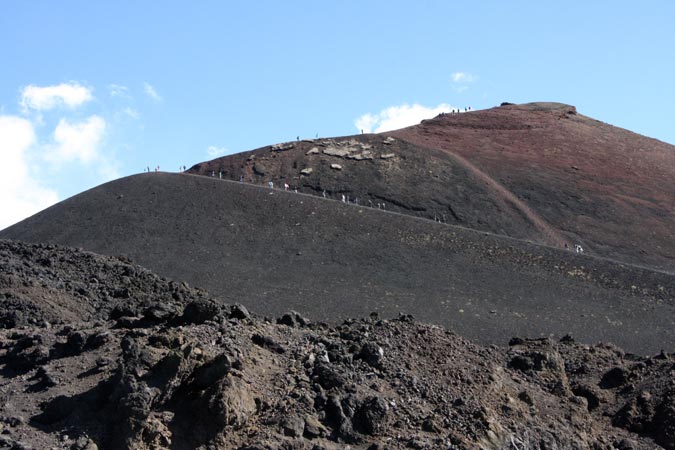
<point x="100" y="353"/>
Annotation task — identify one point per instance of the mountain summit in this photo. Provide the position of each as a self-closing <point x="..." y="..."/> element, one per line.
<point x="537" y="171"/>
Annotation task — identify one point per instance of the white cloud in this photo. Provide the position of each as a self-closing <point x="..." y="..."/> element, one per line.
<point x="396" y="117"/>
<point x="366" y="122"/>
<point x="42" y="98"/>
<point x="77" y="141"/>
<point x="462" y="77"/>
<point x="152" y="93"/>
<point x="22" y="195"/>
<point x="214" y="151"/>
<point x="117" y="90"/>
<point x="131" y="112"/>
<point x="461" y="81"/>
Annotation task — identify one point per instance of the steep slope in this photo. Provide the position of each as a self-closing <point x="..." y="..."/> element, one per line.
<point x="275" y="251"/>
<point x="537" y="171"/>
<point x="379" y="172"/>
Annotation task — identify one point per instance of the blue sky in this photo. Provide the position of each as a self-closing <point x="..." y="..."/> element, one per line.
<point x="91" y="91"/>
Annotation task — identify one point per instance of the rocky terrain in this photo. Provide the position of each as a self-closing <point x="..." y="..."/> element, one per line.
<point x="97" y="352"/>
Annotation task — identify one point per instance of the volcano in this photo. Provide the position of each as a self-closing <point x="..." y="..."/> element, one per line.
<point x="380" y="223"/>
<point x="537" y="171"/>
<point x="491" y="279"/>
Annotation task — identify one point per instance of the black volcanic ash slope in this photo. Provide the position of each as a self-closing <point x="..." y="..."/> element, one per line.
<point x="152" y="364"/>
<point x="275" y="251"/>
<point x="377" y="170"/>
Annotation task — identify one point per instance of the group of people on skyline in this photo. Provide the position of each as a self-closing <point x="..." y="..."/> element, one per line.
<point x="457" y="111"/>
<point x="156" y="169"/>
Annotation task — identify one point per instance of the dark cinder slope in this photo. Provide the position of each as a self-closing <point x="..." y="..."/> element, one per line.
<point x="537" y="171"/>
<point x="379" y="172"/>
<point x="274" y="251"/>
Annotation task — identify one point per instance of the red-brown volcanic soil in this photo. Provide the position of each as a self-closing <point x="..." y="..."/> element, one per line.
<point x="609" y="189"/>
<point x="538" y="171"/>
